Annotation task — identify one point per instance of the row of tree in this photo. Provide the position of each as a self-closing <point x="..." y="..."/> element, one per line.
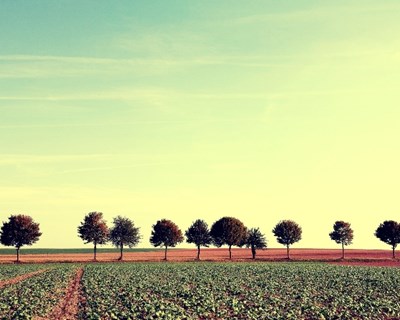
<point x="21" y="230"/>
<point x="165" y="233"/>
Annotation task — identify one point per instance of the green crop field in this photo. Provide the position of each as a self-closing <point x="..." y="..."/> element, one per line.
<point x="8" y="271"/>
<point x="208" y="291"/>
<point x="35" y="296"/>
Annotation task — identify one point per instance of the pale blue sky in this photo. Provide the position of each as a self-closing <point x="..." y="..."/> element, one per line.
<point x="263" y="110"/>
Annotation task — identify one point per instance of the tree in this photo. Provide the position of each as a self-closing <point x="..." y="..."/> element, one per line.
<point x="20" y="230"/>
<point x="94" y="229"/>
<point x="255" y="240"/>
<point x="342" y="233"/>
<point x="389" y="232"/>
<point x="229" y="231"/>
<point x="198" y="234"/>
<point x="287" y="232"/>
<point x="166" y="234"/>
<point x="124" y="233"/>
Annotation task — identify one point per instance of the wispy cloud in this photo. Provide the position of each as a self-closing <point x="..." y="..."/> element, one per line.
<point x="110" y="168"/>
<point x="320" y="11"/>
<point x="150" y="95"/>
<point x="20" y="159"/>
<point x="161" y="96"/>
<point x="51" y="165"/>
<point x="166" y="41"/>
<point x="45" y="194"/>
<point x="33" y="66"/>
<point x="187" y="121"/>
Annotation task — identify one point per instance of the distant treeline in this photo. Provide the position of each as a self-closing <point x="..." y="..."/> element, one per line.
<point x="21" y="230"/>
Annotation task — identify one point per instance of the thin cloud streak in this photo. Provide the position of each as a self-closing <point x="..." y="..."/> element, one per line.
<point x="321" y="13"/>
<point x="159" y="96"/>
<point x="85" y="60"/>
<point x="18" y="159"/>
<point x="32" y="66"/>
<point x="94" y="169"/>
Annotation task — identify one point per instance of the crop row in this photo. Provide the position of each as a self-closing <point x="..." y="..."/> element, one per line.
<point x="10" y="271"/>
<point x="35" y="296"/>
<point x="242" y="291"/>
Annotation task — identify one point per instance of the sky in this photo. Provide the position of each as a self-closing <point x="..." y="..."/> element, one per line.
<point x="261" y="110"/>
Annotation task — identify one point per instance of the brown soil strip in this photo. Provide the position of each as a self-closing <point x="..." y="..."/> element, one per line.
<point x="7" y="282"/>
<point x="213" y="254"/>
<point x="67" y="308"/>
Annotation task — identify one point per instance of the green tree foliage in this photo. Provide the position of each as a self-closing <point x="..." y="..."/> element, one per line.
<point x="255" y="240"/>
<point x="93" y="229"/>
<point x="166" y="234"/>
<point x="124" y="233"/>
<point x="20" y="230"/>
<point x="287" y="232"/>
<point x="198" y="234"/>
<point x="229" y="231"/>
<point x="342" y="233"/>
<point x="389" y="232"/>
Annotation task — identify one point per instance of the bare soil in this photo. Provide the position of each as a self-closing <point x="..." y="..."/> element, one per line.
<point x="68" y="307"/>
<point x="17" y="279"/>
<point x="352" y="256"/>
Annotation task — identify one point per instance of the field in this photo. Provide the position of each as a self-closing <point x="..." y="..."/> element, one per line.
<point x="355" y="256"/>
<point x="198" y="290"/>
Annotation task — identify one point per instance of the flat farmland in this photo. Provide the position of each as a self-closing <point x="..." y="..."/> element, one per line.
<point x="377" y="257"/>
<point x="206" y="290"/>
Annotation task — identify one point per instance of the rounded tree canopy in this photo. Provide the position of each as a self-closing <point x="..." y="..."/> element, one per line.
<point x="342" y="233"/>
<point x="94" y="228"/>
<point x="229" y="231"/>
<point x="389" y="232"/>
<point x="287" y="232"/>
<point x="198" y="234"/>
<point x="20" y="230"/>
<point x="124" y="232"/>
<point x="165" y="233"/>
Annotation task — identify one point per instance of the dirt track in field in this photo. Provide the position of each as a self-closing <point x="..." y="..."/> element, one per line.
<point x="67" y="308"/>
<point x="353" y="256"/>
<point x="17" y="279"/>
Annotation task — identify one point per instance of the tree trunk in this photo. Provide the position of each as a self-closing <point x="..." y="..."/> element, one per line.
<point x="230" y="252"/>
<point x="253" y="252"/>
<point x="198" y="252"/>
<point x="121" y="251"/>
<point x="342" y="250"/>
<point x="94" y="252"/>
<point x="165" y="253"/>
<point x="287" y="251"/>
<point x="17" y="254"/>
<point x="393" y="253"/>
